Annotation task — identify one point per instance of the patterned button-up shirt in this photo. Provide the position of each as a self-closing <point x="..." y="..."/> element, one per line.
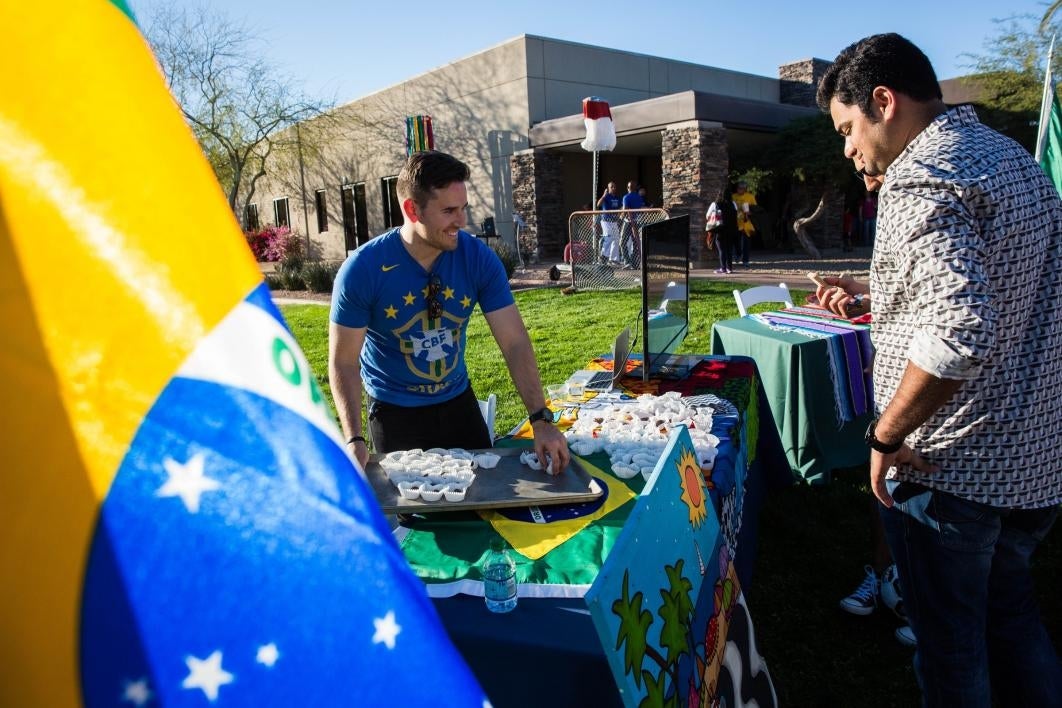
<point x="966" y="283"/>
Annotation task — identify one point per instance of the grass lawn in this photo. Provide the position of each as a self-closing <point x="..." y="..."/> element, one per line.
<point x="813" y="542"/>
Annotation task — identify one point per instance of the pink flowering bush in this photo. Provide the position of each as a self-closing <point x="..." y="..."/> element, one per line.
<point x="274" y="243"/>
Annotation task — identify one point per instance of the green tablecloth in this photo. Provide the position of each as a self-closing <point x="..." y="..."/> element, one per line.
<point x="795" y="372"/>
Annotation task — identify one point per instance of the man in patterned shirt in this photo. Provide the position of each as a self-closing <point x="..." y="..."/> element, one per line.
<point x="966" y="286"/>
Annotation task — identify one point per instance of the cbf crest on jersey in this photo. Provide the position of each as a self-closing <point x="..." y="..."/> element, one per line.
<point x="432" y="345"/>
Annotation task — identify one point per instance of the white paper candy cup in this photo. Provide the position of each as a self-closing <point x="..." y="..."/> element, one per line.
<point x="623" y="471"/>
<point x="409" y="490"/>
<point x="431" y="493"/>
<point x="583" y="448"/>
<point x="454" y="494"/>
<point x="487" y="460"/>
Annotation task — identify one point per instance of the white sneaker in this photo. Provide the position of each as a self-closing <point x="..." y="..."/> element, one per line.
<point x="865" y="598"/>
<point x="906" y="636"/>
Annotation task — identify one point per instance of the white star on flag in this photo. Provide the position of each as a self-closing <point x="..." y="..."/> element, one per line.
<point x="137" y="692"/>
<point x="206" y="675"/>
<point x="187" y="481"/>
<point x="386" y="630"/>
<point x="267" y="654"/>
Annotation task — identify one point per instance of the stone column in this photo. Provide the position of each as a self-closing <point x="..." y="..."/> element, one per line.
<point x="695" y="164"/>
<point x="799" y="80"/>
<point x="538" y="197"/>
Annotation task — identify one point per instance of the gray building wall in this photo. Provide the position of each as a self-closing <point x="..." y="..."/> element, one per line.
<point x="483" y="107"/>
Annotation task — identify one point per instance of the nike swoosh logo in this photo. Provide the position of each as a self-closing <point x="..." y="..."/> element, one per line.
<point x="387" y="268"/>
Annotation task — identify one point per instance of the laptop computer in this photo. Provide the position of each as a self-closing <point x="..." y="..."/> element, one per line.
<point x="606" y="380"/>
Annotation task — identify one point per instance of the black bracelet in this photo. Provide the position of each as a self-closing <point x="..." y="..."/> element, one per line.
<point x="356" y="438"/>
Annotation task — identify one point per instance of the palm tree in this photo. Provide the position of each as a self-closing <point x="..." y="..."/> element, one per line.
<point x="1045" y="22"/>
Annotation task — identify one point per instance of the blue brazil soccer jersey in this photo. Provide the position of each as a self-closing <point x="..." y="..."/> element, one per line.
<point x="408" y="358"/>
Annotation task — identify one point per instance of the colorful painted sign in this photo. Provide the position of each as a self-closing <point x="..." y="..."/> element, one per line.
<point x="667" y="604"/>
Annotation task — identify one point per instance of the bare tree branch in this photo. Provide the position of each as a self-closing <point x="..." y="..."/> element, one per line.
<point x="237" y="105"/>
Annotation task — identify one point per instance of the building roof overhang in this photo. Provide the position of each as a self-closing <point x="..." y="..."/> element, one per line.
<point x="656" y="114"/>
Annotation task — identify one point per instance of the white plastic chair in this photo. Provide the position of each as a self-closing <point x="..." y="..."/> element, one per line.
<point x="673" y="291"/>
<point x="489" y="409"/>
<point x="760" y="294"/>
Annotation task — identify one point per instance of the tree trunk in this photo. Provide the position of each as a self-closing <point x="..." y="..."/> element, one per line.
<point x="800" y="227"/>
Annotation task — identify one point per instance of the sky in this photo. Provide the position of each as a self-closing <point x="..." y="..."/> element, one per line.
<point x="346" y="49"/>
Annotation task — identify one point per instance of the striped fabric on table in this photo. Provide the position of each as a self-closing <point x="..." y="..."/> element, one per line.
<point x="850" y="354"/>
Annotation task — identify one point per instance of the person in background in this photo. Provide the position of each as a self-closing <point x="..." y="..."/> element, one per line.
<point x="847" y="229"/>
<point x="966" y="451"/>
<point x="630" y="246"/>
<point x="644" y="194"/>
<point x="865" y="599"/>
<point x="745" y="200"/>
<point x="610" y="201"/>
<point x="723" y="213"/>
<point x="400" y="310"/>
<point x="868" y="214"/>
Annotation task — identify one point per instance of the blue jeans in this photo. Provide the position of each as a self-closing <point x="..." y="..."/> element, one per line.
<point x="964" y="573"/>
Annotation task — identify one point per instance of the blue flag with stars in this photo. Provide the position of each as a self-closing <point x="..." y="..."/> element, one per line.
<point x="240" y="557"/>
<point x="182" y="524"/>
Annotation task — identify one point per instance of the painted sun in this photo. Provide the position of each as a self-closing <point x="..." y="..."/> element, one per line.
<point x="692" y="483"/>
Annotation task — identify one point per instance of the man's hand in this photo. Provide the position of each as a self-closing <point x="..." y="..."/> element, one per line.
<point x="550" y="444"/>
<point x="837" y="294"/>
<point x="360" y="451"/>
<point x="880" y="464"/>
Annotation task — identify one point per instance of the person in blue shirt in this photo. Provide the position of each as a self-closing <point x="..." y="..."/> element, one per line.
<point x="610" y="201"/>
<point x="630" y="238"/>
<point x="400" y="310"/>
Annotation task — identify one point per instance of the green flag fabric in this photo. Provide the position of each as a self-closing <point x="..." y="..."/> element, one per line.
<point x="1051" y="158"/>
<point x="445" y="551"/>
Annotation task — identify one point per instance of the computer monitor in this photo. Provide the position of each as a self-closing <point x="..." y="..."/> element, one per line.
<point x="665" y="291"/>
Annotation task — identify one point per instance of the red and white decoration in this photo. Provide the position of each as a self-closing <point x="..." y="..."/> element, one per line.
<point x="600" y="132"/>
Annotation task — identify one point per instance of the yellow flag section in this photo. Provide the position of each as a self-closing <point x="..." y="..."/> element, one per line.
<point x="534" y="539"/>
<point x="96" y="168"/>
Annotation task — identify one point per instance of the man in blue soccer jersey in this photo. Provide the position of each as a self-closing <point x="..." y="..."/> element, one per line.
<point x="400" y="310"/>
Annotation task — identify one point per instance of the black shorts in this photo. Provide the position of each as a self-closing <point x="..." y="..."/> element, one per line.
<point x="454" y="423"/>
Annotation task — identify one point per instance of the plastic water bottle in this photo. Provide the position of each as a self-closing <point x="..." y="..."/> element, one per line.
<point x="499" y="578"/>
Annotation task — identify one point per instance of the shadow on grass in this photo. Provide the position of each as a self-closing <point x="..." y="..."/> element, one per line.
<point x="814" y="542"/>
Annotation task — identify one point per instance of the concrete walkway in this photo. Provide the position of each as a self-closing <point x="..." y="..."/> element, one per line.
<point x="765" y="268"/>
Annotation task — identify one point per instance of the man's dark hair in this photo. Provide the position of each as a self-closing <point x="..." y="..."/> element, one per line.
<point x="425" y="171"/>
<point x="879" y="60"/>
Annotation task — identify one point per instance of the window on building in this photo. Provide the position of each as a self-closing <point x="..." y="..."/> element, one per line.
<point x="280" y="212"/>
<point x="391" y="206"/>
<point x="250" y="217"/>
<point x="321" y="206"/>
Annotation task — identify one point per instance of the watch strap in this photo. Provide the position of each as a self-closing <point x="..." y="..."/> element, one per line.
<point x="874" y="444"/>
<point x="541" y="414"/>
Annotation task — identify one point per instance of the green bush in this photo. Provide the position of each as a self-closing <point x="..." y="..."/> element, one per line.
<point x="319" y="276"/>
<point x="289" y="273"/>
<point x="508" y="257"/>
<point x="273" y="282"/>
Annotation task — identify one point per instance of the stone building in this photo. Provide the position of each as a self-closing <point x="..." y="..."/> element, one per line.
<point x="513" y="113"/>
